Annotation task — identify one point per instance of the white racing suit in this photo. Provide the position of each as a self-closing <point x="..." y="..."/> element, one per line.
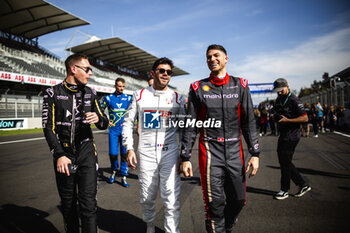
<point x="157" y="151"/>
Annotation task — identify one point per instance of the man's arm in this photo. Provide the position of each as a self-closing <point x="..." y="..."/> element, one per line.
<point x="299" y="119"/>
<point x="99" y="118"/>
<point x="189" y="134"/>
<point x="49" y="128"/>
<point x="248" y="127"/>
<point x="49" y="124"/>
<point x="298" y="108"/>
<point x="248" y="123"/>
<point x="127" y="134"/>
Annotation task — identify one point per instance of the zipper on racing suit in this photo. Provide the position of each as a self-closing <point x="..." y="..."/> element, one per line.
<point x="72" y="132"/>
<point x="156" y="145"/>
<point x="223" y="120"/>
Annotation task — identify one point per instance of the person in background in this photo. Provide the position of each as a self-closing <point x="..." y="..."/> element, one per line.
<point x="340" y="115"/>
<point x="313" y="114"/>
<point x="117" y="103"/>
<point x="320" y="115"/>
<point x="291" y="113"/>
<point x="325" y="117"/>
<point x="263" y="121"/>
<point x="332" y="118"/>
<point x="257" y="117"/>
<point x="150" y="81"/>
<point x="271" y="118"/>
<point x="305" y="127"/>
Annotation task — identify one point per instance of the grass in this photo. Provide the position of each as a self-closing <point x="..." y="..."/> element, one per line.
<point x="20" y="131"/>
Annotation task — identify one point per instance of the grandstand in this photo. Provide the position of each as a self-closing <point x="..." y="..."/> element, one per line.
<point x="27" y="69"/>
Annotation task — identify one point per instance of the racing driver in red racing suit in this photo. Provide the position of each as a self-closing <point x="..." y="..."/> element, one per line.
<point x="226" y="99"/>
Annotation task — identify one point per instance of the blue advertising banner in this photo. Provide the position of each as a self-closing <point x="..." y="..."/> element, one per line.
<point x="257" y="88"/>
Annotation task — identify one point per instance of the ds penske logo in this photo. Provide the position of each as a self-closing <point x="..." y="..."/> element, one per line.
<point x="152" y="118"/>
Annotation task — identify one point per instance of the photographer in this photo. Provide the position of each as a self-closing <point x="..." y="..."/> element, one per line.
<point x="289" y="114"/>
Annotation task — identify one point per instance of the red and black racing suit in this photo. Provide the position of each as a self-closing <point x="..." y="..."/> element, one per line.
<point x="221" y="159"/>
<point x="68" y="134"/>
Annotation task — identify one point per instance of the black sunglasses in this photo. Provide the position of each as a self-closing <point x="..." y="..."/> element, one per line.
<point x="162" y="71"/>
<point x="85" y="68"/>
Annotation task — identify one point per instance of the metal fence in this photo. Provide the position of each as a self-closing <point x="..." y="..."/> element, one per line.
<point x="21" y="107"/>
<point x="336" y="96"/>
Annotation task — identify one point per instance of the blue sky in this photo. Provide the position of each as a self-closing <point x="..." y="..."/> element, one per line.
<point x="298" y="40"/>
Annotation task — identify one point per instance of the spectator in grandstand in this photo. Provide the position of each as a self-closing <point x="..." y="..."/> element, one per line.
<point x="291" y="113"/>
<point x="157" y="147"/>
<point x="69" y="109"/>
<point x="117" y="103"/>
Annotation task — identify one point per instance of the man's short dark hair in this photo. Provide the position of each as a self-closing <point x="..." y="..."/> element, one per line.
<point x="119" y="80"/>
<point x="73" y="59"/>
<point x="163" y="60"/>
<point x="217" y="47"/>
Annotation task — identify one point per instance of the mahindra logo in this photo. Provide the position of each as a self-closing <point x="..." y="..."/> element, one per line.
<point x="223" y="96"/>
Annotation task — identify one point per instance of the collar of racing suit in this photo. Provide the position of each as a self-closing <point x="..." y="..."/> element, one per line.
<point x="218" y="81"/>
<point x="157" y="92"/>
<point x="72" y="87"/>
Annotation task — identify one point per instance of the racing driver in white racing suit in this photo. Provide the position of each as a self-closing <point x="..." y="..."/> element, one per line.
<point x="158" y="156"/>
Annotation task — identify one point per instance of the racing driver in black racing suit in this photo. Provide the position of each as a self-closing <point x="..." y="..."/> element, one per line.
<point x="221" y="160"/>
<point x="69" y="109"/>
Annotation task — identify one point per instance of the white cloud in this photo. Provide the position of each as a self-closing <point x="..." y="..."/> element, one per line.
<point x="299" y="65"/>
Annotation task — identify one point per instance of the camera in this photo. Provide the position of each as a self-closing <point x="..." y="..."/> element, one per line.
<point x="277" y="111"/>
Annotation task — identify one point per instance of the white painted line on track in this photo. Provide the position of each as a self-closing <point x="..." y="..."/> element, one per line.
<point x="35" y="139"/>
<point x="343" y="134"/>
<point x="23" y="140"/>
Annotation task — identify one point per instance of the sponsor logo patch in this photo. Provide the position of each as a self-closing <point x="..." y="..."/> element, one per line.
<point x="152" y="119"/>
<point x="206" y="88"/>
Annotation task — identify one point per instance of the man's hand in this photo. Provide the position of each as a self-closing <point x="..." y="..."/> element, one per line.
<point x="110" y="123"/>
<point x="91" y="117"/>
<point x="178" y="165"/>
<point x="283" y="119"/>
<point x="187" y="169"/>
<point x="254" y="163"/>
<point x="62" y="165"/>
<point x="131" y="159"/>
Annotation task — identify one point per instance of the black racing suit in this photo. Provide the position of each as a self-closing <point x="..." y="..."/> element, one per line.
<point x="291" y="107"/>
<point x="72" y="137"/>
<point x="221" y="159"/>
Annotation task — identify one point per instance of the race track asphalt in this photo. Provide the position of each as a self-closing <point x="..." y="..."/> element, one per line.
<point x="29" y="200"/>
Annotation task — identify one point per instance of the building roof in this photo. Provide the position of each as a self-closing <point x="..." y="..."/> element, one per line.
<point x="34" y="18"/>
<point x="120" y="53"/>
